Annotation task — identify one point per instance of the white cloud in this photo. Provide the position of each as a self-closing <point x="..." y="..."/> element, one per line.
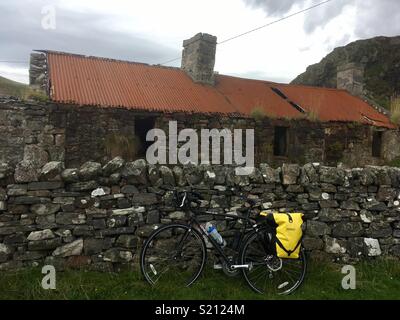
<point x="14" y="73"/>
<point x="152" y="31"/>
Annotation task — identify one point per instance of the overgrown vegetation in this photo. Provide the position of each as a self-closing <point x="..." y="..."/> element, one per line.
<point x="394" y="163"/>
<point x="378" y="279"/>
<point x="20" y="90"/>
<point x="313" y="116"/>
<point x="395" y="109"/>
<point x="259" y="113"/>
<point x="31" y="94"/>
<point x="290" y="118"/>
<point x="125" y="146"/>
<point x="354" y="125"/>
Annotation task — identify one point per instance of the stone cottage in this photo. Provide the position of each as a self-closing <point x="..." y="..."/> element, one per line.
<point x="99" y="108"/>
<point x="99" y="215"/>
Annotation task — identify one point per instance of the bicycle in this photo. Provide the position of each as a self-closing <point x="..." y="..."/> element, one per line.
<point x="178" y="251"/>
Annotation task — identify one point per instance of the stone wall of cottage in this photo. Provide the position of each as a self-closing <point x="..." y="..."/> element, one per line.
<point x="38" y="132"/>
<point x="308" y="141"/>
<point x="98" y="216"/>
<point x="27" y="135"/>
<point x="87" y="130"/>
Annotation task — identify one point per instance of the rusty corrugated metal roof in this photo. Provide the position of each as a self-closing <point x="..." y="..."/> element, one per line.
<point x="104" y="82"/>
<point x="247" y="95"/>
<point x="334" y="105"/>
<point x="94" y="81"/>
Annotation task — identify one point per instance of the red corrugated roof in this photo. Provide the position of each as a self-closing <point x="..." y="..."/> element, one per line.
<point x="93" y="81"/>
<point x="247" y="94"/>
<point x="334" y="105"/>
<point x="96" y="81"/>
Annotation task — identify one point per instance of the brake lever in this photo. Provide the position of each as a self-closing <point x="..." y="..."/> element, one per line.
<point x="183" y="200"/>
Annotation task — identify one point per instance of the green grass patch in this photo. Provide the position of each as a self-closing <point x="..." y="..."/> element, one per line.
<point x="379" y="279"/>
<point x="394" y="163"/>
<point x="12" y="88"/>
<point x="20" y="90"/>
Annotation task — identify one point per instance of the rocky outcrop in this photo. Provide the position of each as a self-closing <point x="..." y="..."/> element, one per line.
<point x="381" y="60"/>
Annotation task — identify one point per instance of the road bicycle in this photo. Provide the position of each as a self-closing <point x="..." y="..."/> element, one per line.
<point x="177" y="252"/>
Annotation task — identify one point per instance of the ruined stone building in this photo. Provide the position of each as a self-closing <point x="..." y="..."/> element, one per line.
<point x="98" y="108"/>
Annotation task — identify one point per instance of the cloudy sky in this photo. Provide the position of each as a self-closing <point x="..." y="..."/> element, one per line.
<point x="152" y="31"/>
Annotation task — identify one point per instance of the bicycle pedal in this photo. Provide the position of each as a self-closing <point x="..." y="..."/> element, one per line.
<point x="217" y="266"/>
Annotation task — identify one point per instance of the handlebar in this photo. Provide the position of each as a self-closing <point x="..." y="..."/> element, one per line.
<point x="189" y="196"/>
<point x="193" y="196"/>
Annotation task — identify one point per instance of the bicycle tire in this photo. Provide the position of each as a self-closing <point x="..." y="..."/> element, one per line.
<point x="302" y="262"/>
<point x="165" y="228"/>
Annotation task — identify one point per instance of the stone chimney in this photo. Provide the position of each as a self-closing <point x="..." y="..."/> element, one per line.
<point x="350" y="77"/>
<point x="38" y="73"/>
<point x="198" y="57"/>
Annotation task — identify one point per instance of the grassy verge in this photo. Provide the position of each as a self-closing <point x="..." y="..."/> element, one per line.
<point x="378" y="279"/>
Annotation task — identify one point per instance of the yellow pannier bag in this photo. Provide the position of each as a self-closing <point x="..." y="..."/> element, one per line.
<point x="288" y="234"/>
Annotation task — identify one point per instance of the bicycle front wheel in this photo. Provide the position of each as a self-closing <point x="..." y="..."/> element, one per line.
<point x="267" y="272"/>
<point x="173" y="255"/>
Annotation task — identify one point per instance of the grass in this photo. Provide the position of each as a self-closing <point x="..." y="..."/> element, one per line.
<point x="20" y="90"/>
<point x="395" y="109"/>
<point x="313" y="116"/>
<point x="379" y="279"/>
<point x="395" y="163"/>
<point x="12" y="88"/>
<point x="39" y="96"/>
<point x="259" y="113"/>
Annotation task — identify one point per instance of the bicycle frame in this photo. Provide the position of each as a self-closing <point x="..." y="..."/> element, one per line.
<point x="249" y="223"/>
<point x="193" y="222"/>
<point x="249" y="230"/>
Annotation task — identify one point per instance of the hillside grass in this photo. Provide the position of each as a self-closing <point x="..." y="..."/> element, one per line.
<point x="12" y="88"/>
<point x="378" y="279"/>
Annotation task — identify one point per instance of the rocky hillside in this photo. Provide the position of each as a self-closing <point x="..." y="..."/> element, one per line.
<point x="381" y="58"/>
<point x="12" y="88"/>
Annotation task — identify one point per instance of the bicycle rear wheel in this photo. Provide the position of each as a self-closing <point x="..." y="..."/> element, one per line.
<point x="269" y="273"/>
<point x="173" y="255"/>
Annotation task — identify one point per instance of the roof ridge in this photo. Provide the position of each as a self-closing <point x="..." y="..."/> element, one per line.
<point x="284" y="84"/>
<point x="77" y="55"/>
<point x="177" y="68"/>
<point x="313" y="87"/>
<point x="242" y="78"/>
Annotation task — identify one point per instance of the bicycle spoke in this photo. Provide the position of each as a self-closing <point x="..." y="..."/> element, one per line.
<point x="173" y="255"/>
<point x="270" y="273"/>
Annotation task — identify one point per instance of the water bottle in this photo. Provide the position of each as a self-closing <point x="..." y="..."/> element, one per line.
<point x="212" y="231"/>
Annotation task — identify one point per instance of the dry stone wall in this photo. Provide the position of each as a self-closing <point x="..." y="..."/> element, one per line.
<point x="98" y="216"/>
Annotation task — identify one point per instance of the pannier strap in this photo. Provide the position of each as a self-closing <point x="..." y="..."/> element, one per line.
<point x="290" y="218"/>
<point x="289" y="252"/>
